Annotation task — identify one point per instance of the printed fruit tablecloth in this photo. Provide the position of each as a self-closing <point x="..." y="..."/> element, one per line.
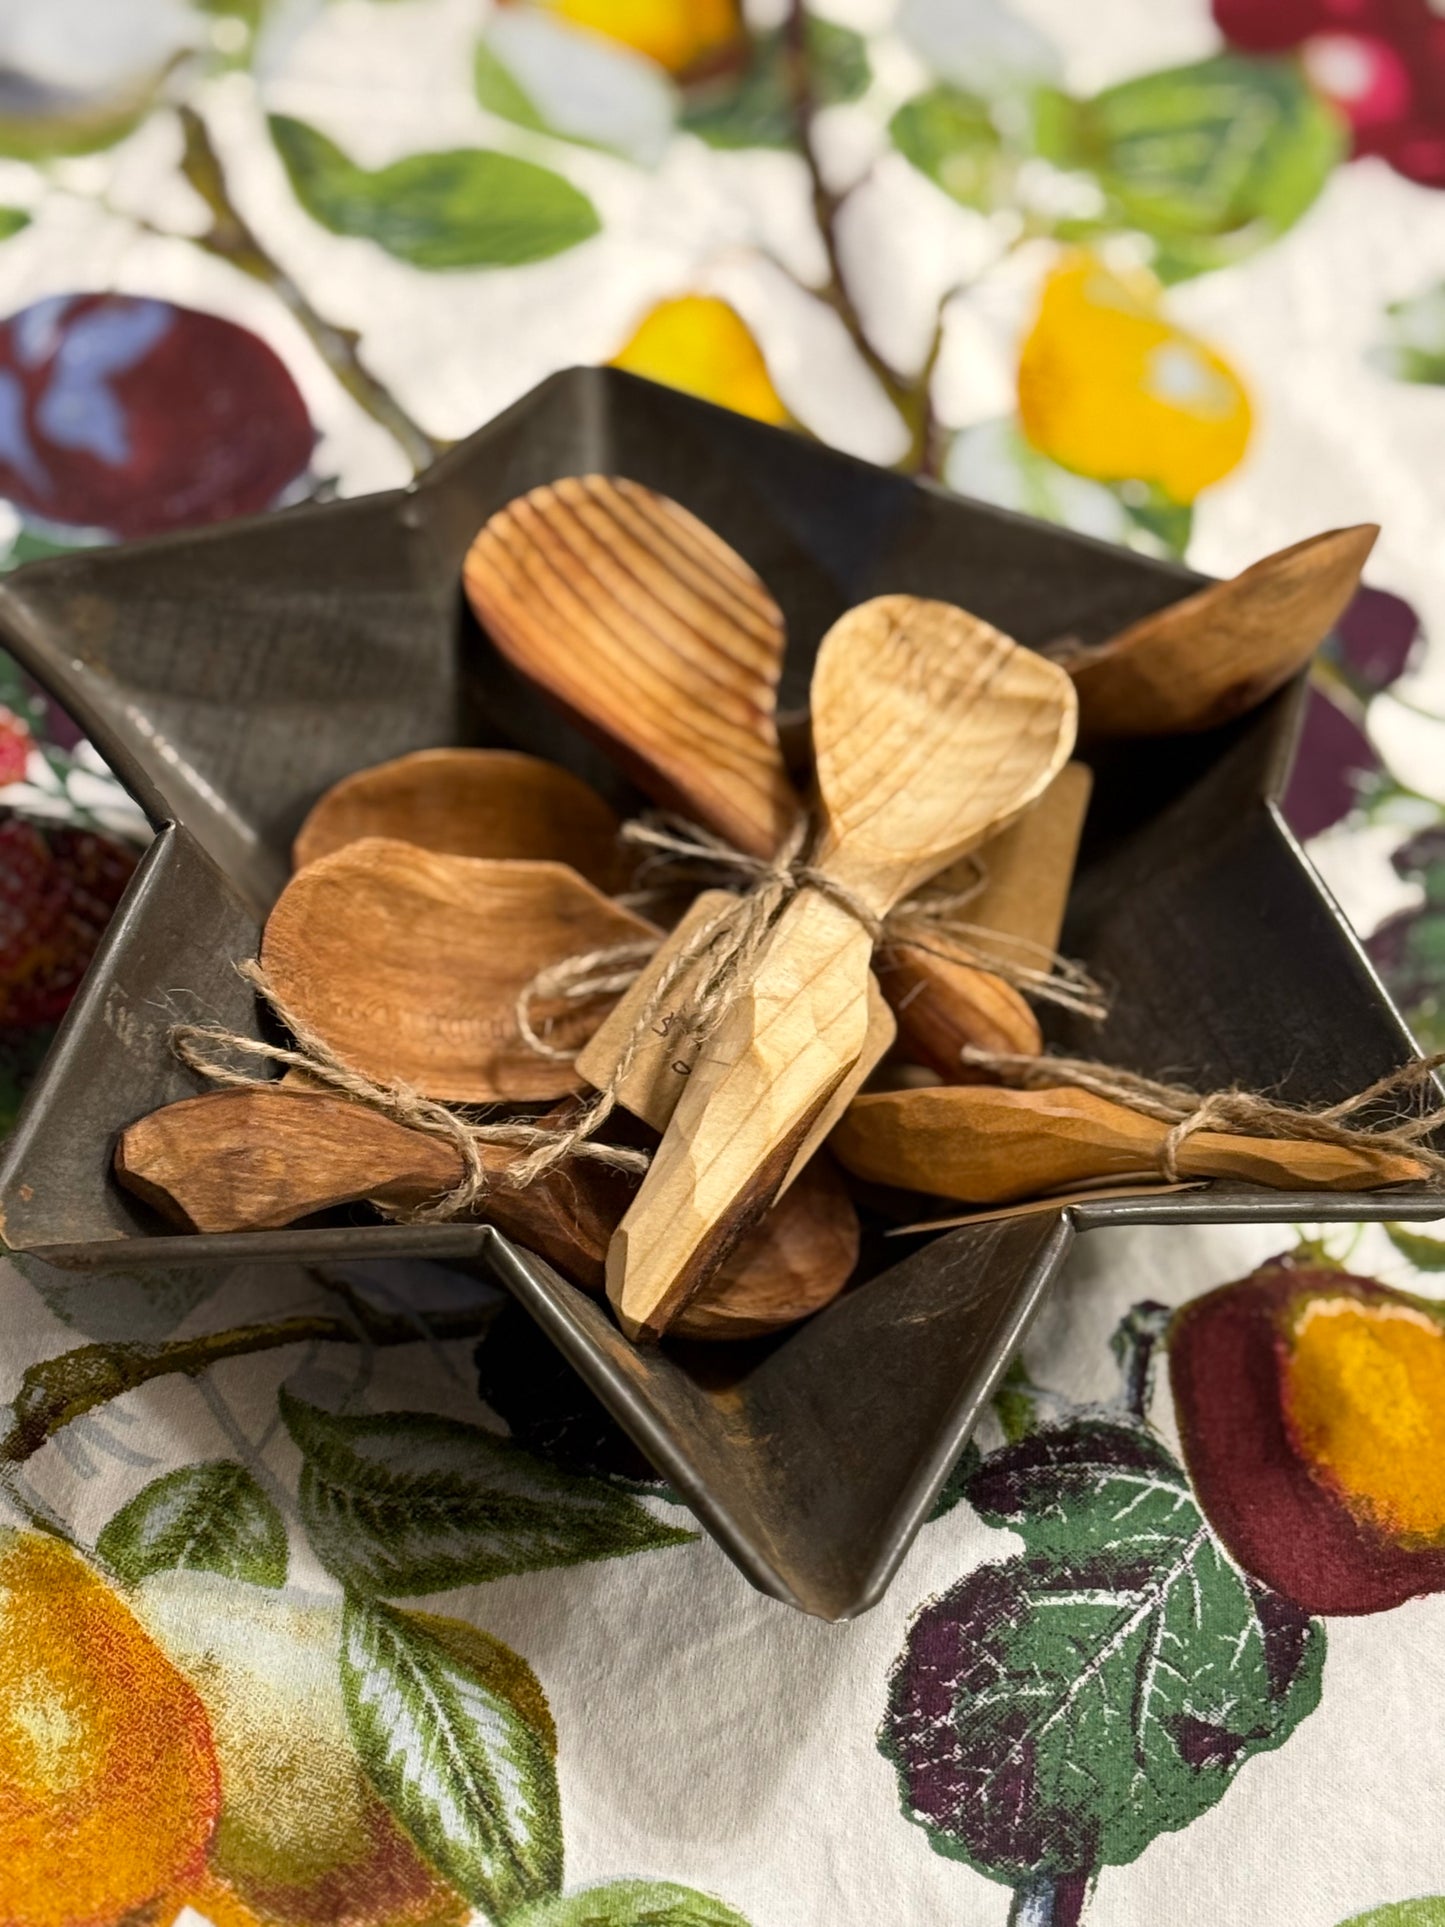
<point x="304" y="1617"/>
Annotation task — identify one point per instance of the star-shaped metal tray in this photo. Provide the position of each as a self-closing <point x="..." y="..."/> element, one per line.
<point x="231" y="675"/>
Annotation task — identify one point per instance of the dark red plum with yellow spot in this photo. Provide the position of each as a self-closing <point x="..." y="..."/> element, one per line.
<point x="1311" y="1409"/>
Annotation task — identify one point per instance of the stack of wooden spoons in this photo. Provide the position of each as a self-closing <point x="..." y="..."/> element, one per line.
<point x="435" y="896"/>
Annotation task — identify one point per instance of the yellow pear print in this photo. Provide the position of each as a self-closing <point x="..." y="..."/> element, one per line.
<point x="701" y="345"/>
<point x="1110" y="388"/>
<point x="677" y="34"/>
<point x="109" y="1787"/>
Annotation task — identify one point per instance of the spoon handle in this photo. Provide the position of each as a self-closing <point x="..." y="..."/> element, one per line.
<point x="754" y="1096"/>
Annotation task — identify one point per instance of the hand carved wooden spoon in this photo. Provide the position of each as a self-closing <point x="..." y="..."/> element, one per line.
<point x="253" y="1160"/>
<point x="663" y="1060"/>
<point x="1209" y="658"/>
<point x="932" y="731"/>
<point x="471" y="802"/>
<point x="992" y="1146"/>
<point x="654" y="634"/>
<point x="410" y="964"/>
<point x="659" y="638"/>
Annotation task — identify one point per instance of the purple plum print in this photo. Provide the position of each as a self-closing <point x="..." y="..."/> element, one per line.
<point x="1053" y="1713"/>
<point x="1375" y="641"/>
<point x="135" y="416"/>
<point x="1333" y="760"/>
<point x="1408" y="949"/>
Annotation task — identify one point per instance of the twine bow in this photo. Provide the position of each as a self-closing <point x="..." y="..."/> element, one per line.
<point x="1244" y="1112"/>
<point x="676" y="849"/>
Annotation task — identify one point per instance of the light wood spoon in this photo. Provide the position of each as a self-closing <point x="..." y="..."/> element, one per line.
<point x="663" y="1060"/>
<point x="653" y="634"/>
<point x="471" y="802"/>
<point x="1211" y="657"/>
<point x="254" y="1160"/>
<point x="990" y="1146"/>
<point x="410" y="963"/>
<point x="932" y="731"/>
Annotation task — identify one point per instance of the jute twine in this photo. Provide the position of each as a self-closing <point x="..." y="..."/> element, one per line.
<point x="1244" y="1112"/>
<point x="728" y="944"/>
<point x="676" y="849"/>
<point x="209" y="1049"/>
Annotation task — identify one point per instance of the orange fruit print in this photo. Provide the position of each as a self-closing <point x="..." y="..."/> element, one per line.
<point x="109" y="1789"/>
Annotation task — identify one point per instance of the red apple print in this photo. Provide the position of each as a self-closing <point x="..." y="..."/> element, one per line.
<point x="1268" y="26"/>
<point x="1363" y="75"/>
<point x="58" y="887"/>
<point x="1381" y="62"/>
<point x="16" y="744"/>
<point x="136" y="416"/>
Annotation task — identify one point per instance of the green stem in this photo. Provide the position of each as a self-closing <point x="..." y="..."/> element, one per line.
<point x="912" y="396"/>
<point x="1135" y="1345"/>
<point x="1050" y="1900"/>
<point x="230" y="238"/>
<point x="57" y="1390"/>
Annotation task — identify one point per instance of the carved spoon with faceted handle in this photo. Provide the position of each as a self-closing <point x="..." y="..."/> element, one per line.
<point x="932" y="731"/>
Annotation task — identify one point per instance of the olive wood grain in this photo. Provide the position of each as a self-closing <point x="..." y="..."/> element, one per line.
<point x="410" y="963"/>
<point x="1216" y="654"/>
<point x="253" y="1160"/>
<point x="989" y="1146"/>
<point x="653" y="634"/>
<point x="932" y="731"/>
<point x="471" y="802"/>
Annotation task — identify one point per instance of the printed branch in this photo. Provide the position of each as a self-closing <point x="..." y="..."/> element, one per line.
<point x="231" y="239"/>
<point x="56" y="1391"/>
<point x="1050" y="1900"/>
<point x="911" y="398"/>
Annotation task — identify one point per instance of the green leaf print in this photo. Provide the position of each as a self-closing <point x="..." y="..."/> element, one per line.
<point x="1213" y="160"/>
<point x="201" y="1518"/>
<point x="1054" y="1712"/>
<point x="405" y="1503"/>
<point x="135" y="1305"/>
<point x="950" y="136"/>
<point x="501" y="93"/>
<point x="1413" y="344"/>
<point x="1424" y="1252"/>
<point x="456" y="1751"/>
<point x="467" y="208"/>
<point x="630" y="1903"/>
<point x="758" y="109"/>
<point x="1429" y="1912"/>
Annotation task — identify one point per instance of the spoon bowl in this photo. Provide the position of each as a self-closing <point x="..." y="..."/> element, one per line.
<point x="410" y="963"/>
<point x="652" y="634"/>
<point x="493" y="803"/>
